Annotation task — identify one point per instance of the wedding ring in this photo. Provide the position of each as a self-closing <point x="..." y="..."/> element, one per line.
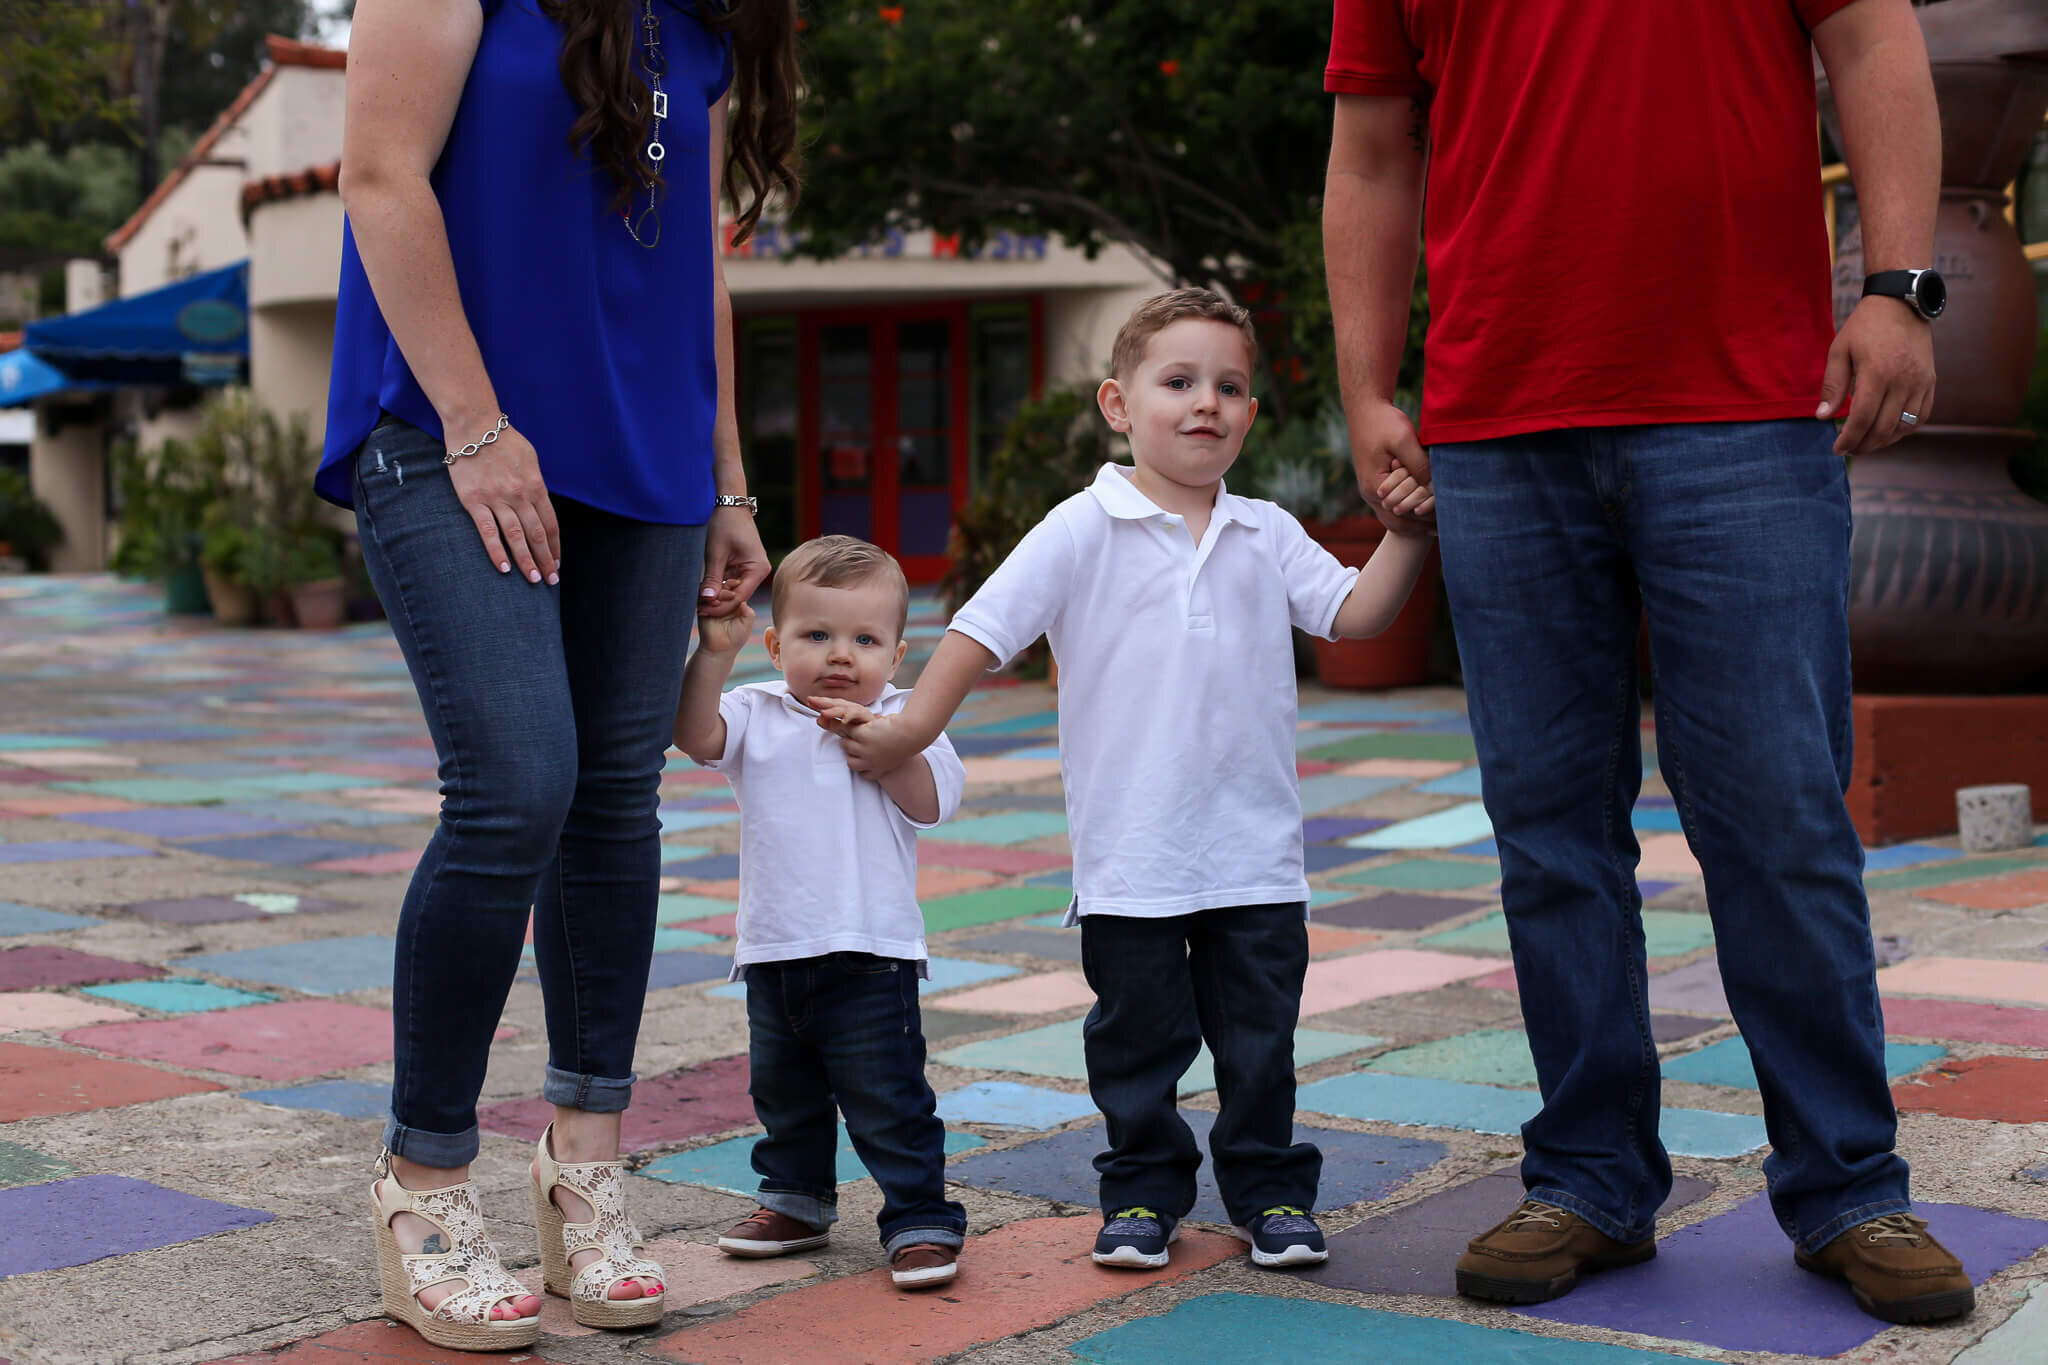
<point x="1909" y="419"/>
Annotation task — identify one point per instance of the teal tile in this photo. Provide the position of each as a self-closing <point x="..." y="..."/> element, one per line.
<point x="676" y="906"/>
<point x="1397" y="744"/>
<point x="989" y="906"/>
<point x="21" y="1165"/>
<point x="179" y="996"/>
<point x="20" y="741"/>
<point x="1667" y="933"/>
<point x="675" y="850"/>
<point x="1011" y="827"/>
<point x="1727" y="1063"/>
<point x="1036" y="720"/>
<point x="1424" y="874"/>
<point x="299" y="784"/>
<point x="729" y="1165"/>
<point x="28" y="919"/>
<point x="1055" y="1050"/>
<point x="1442" y="829"/>
<point x="161" y="791"/>
<point x="1259" y="1329"/>
<point x="674" y="820"/>
<point x="1430" y="1103"/>
<point x="1487" y="1057"/>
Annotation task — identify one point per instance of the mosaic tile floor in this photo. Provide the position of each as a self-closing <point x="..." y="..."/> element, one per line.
<point x="204" y="836"/>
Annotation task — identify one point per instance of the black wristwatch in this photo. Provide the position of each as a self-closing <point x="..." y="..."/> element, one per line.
<point x="1924" y="291"/>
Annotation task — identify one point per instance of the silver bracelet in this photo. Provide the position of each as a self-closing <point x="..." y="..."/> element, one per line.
<point x="753" y="505"/>
<point x="480" y="442"/>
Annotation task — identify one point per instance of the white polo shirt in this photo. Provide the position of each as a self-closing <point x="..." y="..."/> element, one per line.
<point x="1177" y="698"/>
<point x="828" y="860"/>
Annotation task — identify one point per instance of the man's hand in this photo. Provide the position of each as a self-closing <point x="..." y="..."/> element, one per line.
<point x="1884" y="358"/>
<point x="875" y="745"/>
<point x="725" y="635"/>
<point x="1383" y="443"/>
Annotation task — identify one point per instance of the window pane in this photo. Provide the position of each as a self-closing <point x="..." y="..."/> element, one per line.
<point x="769" y="420"/>
<point x="1002" y="381"/>
<point x="924" y="389"/>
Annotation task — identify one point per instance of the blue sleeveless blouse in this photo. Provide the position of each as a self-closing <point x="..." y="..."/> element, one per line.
<point x="601" y="350"/>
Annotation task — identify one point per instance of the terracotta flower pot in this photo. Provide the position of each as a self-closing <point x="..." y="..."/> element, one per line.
<point x="1397" y="656"/>
<point x="319" y="605"/>
<point x="234" y="604"/>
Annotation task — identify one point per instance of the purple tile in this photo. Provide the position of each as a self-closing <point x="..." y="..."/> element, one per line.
<point x="163" y="734"/>
<point x="1695" y="988"/>
<point x="1329" y="857"/>
<point x="1730" y="1282"/>
<point x="68" y="850"/>
<point x="1651" y="890"/>
<point x="708" y="1098"/>
<point x="1669" y="1028"/>
<point x="180" y="822"/>
<point x="195" y="910"/>
<point x="684" y="967"/>
<point x="1394" y="910"/>
<point x="23" y="969"/>
<point x="1355" y="1166"/>
<point x="715" y="868"/>
<point x="1413" y="1249"/>
<point x="287" y="850"/>
<point x="1323" y="829"/>
<point x="72" y="1222"/>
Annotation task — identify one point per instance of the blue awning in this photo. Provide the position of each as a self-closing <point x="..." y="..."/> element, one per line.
<point x="193" y="332"/>
<point x="26" y="376"/>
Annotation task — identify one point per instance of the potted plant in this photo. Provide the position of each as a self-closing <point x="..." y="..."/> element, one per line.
<point x="28" y="528"/>
<point x="312" y="569"/>
<point x="164" y="496"/>
<point x="227" y="562"/>
<point x="1305" y="467"/>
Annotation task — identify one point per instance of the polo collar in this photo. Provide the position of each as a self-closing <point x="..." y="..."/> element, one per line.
<point x="1121" y="498"/>
<point x="780" y="688"/>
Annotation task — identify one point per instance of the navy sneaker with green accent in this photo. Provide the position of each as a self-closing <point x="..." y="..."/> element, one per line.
<point x="1135" y="1238"/>
<point x="1285" y="1236"/>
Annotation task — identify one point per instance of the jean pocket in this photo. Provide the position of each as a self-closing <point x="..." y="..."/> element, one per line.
<point x="864" y="964"/>
<point x="395" y="451"/>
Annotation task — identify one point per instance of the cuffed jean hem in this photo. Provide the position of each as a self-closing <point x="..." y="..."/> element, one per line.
<point x="443" y="1151"/>
<point x="805" y="1208"/>
<point x="1842" y="1222"/>
<point x="925" y="1237"/>
<point x="1601" y="1223"/>
<point x="591" y="1094"/>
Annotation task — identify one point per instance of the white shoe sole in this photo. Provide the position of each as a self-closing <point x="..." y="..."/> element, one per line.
<point x="1297" y="1254"/>
<point x="1130" y="1258"/>
<point x="925" y="1278"/>
<point x="752" y="1251"/>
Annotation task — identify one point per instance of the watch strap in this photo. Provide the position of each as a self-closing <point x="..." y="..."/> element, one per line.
<point x="1896" y="284"/>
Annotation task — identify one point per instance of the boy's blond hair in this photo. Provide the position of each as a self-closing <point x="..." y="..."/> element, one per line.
<point x="838" y="562"/>
<point x="1161" y="311"/>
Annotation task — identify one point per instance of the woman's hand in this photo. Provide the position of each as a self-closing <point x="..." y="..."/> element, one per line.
<point x="501" y="488"/>
<point x="734" y="562"/>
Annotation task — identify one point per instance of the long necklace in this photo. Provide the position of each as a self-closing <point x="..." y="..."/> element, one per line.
<point x="655" y="65"/>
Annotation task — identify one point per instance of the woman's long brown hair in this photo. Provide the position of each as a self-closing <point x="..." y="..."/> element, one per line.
<point x="601" y="69"/>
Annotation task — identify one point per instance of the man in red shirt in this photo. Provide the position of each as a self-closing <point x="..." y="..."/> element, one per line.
<point x="1630" y="372"/>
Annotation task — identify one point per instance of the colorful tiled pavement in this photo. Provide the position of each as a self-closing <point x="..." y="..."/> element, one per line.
<point x="204" y="836"/>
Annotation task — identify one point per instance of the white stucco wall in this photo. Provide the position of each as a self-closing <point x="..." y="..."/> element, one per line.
<point x="197" y="227"/>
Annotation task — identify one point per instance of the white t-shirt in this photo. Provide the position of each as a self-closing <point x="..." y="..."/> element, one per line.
<point x="1177" y="698"/>
<point x="828" y="860"/>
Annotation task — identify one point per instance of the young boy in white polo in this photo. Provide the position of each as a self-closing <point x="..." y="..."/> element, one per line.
<point x="831" y="940"/>
<point x="1168" y="602"/>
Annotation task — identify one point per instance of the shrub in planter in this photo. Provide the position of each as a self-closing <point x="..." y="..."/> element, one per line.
<point x="313" y="573"/>
<point x="28" y="527"/>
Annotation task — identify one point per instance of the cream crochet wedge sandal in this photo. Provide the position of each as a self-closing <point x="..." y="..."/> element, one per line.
<point x="602" y="1184"/>
<point x="462" y="1321"/>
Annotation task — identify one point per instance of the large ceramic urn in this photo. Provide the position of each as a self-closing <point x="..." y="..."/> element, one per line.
<point x="1949" y="561"/>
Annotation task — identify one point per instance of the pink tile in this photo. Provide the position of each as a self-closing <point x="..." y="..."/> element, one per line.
<point x="278" y="1042"/>
<point x="725" y="926"/>
<point x="1312" y="767"/>
<point x="727" y="890"/>
<point x="1502" y="980"/>
<point x="1324" y="940"/>
<point x="1010" y="862"/>
<point x="67" y="758"/>
<point x="45" y="1012"/>
<point x="1040" y="994"/>
<point x="375" y="865"/>
<point x="2021" y="983"/>
<point x="1951" y="1020"/>
<point x="1415" y="769"/>
<point x="1003" y="771"/>
<point x="696" y="1273"/>
<point x="708" y="1098"/>
<point x="1667" y="857"/>
<point x="61" y="803"/>
<point x="1338" y="982"/>
<point x="935" y="882"/>
<point x="388" y="772"/>
<point x="397" y="800"/>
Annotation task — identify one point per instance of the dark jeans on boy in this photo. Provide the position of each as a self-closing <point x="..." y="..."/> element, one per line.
<point x="846" y="1027"/>
<point x="1231" y="977"/>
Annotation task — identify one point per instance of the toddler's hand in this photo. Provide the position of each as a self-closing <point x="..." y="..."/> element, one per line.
<point x="875" y="745"/>
<point x="838" y="715"/>
<point x="1402" y="492"/>
<point x="724" y="635"/>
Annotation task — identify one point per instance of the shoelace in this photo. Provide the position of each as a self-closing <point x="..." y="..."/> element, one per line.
<point x="1127" y="1220"/>
<point x="1532" y="1213"/>
<point x="1286" y="1218"/>
<point x="1894" y="1227"/>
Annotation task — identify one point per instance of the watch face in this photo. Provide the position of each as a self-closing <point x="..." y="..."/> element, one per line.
<point x="1930" y="293"/>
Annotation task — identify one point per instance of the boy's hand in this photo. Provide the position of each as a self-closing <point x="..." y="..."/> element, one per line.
<point x="875" y="745"/>
<point x="1383" y="447"/>
<point x="1402" y="493"/>
<point x="725" y="635"/>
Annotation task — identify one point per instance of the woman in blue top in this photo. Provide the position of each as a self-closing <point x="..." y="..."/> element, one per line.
<point x="533" y="365"/>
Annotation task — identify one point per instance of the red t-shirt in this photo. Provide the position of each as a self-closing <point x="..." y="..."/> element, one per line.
<point x="1623" y="222"/>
